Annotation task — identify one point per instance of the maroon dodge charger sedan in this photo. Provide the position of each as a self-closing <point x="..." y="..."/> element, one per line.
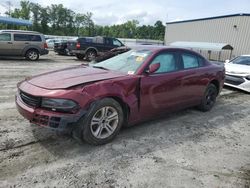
<point x="95" y="101"/>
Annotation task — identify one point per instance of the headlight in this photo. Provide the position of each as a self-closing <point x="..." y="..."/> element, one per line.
<point x="248" y="77"/>
<point x="59" y="105"/>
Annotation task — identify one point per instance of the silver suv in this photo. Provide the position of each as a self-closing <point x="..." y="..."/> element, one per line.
<point x="28" y="44"/>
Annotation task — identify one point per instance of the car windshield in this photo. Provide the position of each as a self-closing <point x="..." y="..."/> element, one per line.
<point x="127" y="62"/>
<point x="241" y="60"/>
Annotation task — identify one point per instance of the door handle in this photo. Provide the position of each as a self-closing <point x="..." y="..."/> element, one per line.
<point x="9" y="42"/>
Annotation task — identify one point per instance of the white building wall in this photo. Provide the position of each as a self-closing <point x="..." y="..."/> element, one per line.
<point x="220" y="30"/>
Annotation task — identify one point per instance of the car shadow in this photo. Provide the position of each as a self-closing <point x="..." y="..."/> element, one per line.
<point x="161" y="133"/>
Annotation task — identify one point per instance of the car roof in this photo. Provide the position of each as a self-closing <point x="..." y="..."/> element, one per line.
<point x="154" y="47"/>
<point x="19" y="31"/>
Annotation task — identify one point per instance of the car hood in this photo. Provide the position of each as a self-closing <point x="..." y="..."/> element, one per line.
<point x="65" y="78"/>
<point x="237" y="69"/>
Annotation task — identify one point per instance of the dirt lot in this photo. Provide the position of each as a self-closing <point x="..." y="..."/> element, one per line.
<point x="185" y="149"/>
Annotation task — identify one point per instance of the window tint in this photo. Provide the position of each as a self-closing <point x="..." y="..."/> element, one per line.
<point x="108" y="41"/>
<point x="20" y="37"/>
<point x="116" y="42"/>
<point x="189" y="61"/>
<point x="167" y="63"/>
<point x="34" y="37"/>
<point x="5" y="37"/>
<point x="241" y="60"/>
<point x="24" y="37"/>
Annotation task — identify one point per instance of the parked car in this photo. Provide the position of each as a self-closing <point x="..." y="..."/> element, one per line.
<point x="29" y="44"/>
<point x="65" y="47"/>
<point x="95" y="101"/>
<point x="89" y="47"/>
<point x="238" y="73"/>
<point x="51" y="42"/>
<point x="111" y="53"/>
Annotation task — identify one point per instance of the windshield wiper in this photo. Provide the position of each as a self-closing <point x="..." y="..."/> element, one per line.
<point x="100" y="67"/>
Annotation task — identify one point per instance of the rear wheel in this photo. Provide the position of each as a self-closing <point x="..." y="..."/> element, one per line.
<point x="32" y="55"/>
<point x="91" y="55"/>
<point x="103" y="122"/>
<point x="209" y="98"/>
<point x="79" y="56"/>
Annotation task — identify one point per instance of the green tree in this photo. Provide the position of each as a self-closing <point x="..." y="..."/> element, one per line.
<point x="35" y="9"/>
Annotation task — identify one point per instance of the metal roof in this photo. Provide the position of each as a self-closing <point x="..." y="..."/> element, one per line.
<point x="18" y="31"/>
<point x="209" y="18"/>
<point x="203" y="45"/>
<point x="15" y="21"/>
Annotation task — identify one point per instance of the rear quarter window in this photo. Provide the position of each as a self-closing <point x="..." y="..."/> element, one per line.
<point x="34" y="38"/>
<point x="191" y="61"/>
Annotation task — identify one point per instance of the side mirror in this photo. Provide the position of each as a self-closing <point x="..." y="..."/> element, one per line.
<point x="227" y="61"/>
<point x="153" y="68"/>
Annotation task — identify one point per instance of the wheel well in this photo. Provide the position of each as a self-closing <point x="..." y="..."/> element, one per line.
<point x="217" y="85"/>
<point x="125" y="108"/>
<point x="92" y="49"/>
<point x="32" y="49"/>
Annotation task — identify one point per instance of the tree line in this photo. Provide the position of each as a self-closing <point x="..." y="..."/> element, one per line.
<point x="59" y="20"/>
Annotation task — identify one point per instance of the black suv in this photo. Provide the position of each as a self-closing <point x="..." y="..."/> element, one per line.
<point x="89" y="47"/>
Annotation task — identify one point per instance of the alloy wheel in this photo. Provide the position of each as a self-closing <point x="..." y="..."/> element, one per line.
<point x="32" y="55"/>
<point x="104" y="122"/>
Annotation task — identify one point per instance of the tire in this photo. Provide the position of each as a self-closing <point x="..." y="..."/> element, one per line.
<point x="102" y="123"/>
<point x="79" y="56"/>
<point x="32" y="55"/>
<point x="91" y="55"/>
<point x="209" y="98"/>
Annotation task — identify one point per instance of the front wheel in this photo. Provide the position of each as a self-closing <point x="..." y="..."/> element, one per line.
<point x="103" y="122"/>
<point x="32" y="55"/>
<point x="209" y="98"/>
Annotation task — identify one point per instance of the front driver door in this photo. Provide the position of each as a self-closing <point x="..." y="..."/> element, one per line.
<point x="6" y="44"/>
<point x="161" y="90"/>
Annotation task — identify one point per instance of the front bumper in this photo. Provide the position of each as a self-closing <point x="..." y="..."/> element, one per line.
<point x="49" y="119"/>
<point x="237" y="81"/>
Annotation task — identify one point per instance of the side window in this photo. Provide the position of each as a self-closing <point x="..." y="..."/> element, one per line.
<point x="5" y="37"/>
<point x="108" y="41"/>
<point x="189" y="61"/>
<point x="167" y="63"/>
<point x="116" y="42"/>
<point x="34" y="38"/>
<point x="20" y="37"/>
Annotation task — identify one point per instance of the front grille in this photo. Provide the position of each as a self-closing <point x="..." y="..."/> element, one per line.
<point x="45" y="120"/>
<point x="234" y="80"/>
<point x="30" y="100"/>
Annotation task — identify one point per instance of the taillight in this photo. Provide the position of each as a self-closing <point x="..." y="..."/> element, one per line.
<point x="45" y="45"/>
<point x="78" y="45"/>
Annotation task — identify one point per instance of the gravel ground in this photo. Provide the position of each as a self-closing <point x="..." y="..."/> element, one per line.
<point x="185" y="149"/>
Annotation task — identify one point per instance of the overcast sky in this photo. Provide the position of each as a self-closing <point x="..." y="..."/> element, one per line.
<point x="146" y="11"/>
